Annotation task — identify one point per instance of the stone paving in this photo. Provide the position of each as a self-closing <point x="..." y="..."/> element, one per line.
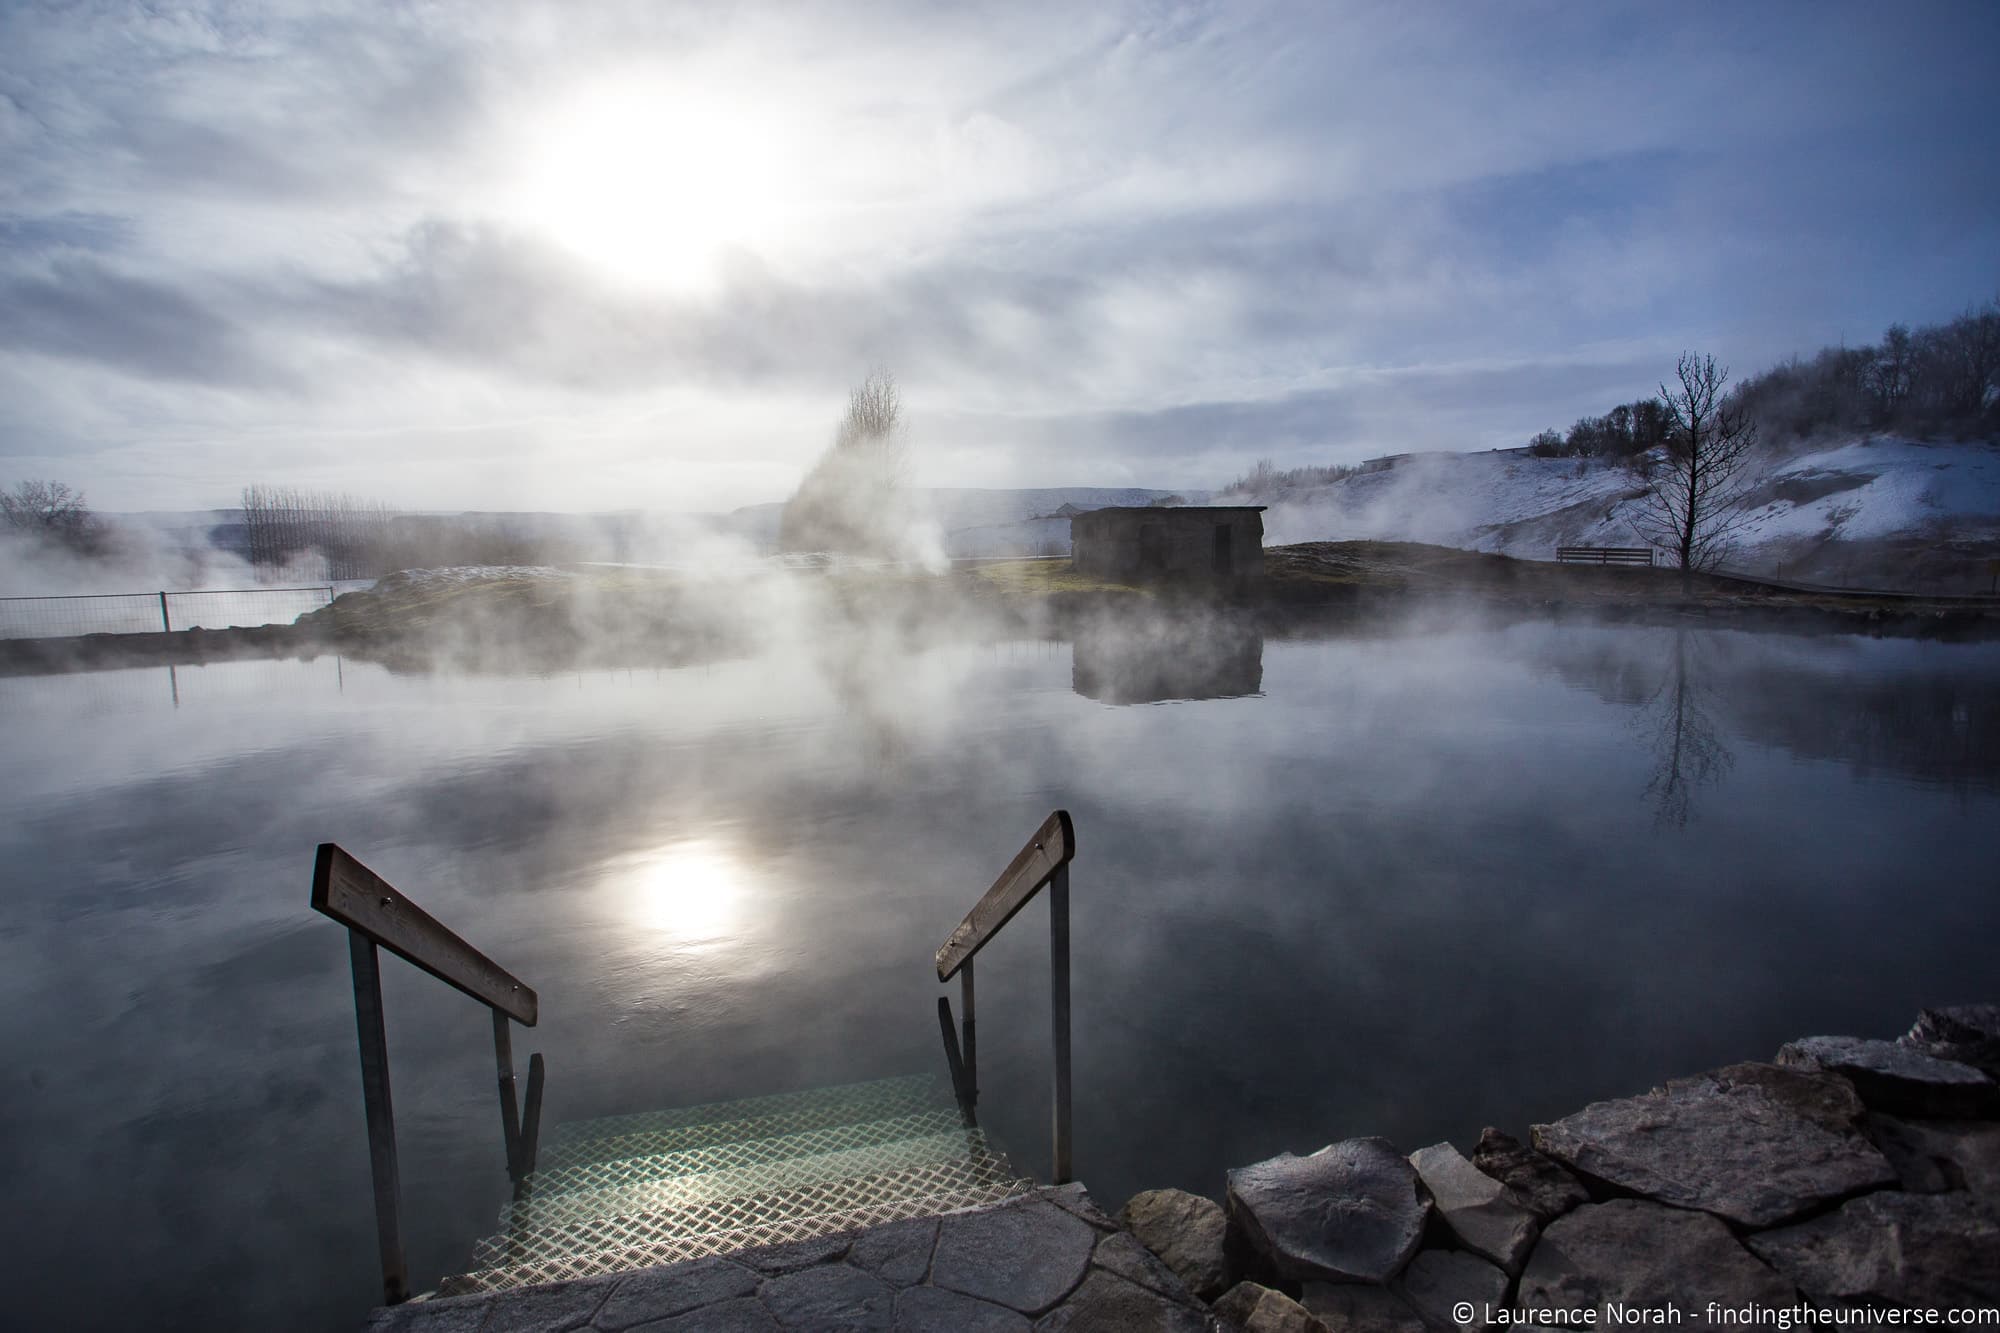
<point x="1846" y="1172"/>
<point x="1048" y="1261"/>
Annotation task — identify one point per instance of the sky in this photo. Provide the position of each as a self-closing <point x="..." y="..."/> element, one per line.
<point x="633" y="255"/>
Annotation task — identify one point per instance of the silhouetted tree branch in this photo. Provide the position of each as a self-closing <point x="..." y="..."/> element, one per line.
<point x="50" y="511"/>
<point x="846" y="503"/>
<point x="1696" y="502"/>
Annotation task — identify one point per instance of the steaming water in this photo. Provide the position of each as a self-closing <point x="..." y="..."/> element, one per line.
<point x="1416" y="885"/>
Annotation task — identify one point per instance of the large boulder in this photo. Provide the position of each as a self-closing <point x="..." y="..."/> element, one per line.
<point x="1896" y="1078"/>
<point x="1534" y="1181"/>
<point x="1348" y="1307"/>
<point x="1637" y="1255"/>
<point x="1441" y="1284"/>
<point x="1258" y="1309"/>
<point x="1187" y="1232"/>
<point x="1475" y="1207"/>
<point x="1908" y="1249"/>
<point x="1967" y="1033"/>
<point x="1754" y="1144"/>
<point x="1348" y="1213"/>
<point x="1934" y="1156"/>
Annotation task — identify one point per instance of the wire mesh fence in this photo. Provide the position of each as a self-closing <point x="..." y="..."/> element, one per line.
<point x="153" y="612"/>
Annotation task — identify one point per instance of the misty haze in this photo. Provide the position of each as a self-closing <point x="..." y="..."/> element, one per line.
<point x="690" y="523"/>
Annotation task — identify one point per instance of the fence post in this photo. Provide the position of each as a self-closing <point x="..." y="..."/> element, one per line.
<point x="1059" y="1018"/>
<point x="166" y="625"/>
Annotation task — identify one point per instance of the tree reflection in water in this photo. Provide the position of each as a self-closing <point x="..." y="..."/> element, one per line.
<point x="1679" y="721"/>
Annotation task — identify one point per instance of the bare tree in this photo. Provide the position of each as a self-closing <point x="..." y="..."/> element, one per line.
<point x="846" y="503"/>
<point x="51" y="511"/>
<point x="282" y="523"/>
<point x="1696" y="503"/>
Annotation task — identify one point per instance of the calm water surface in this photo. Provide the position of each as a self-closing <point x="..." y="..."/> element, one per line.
<point x="1405" y="885"/>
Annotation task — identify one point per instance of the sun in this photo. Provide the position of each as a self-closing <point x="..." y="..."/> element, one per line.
<point x="654" y="181"/>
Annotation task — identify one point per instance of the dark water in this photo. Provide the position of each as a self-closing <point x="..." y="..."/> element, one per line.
<point x="1401" y="885"/>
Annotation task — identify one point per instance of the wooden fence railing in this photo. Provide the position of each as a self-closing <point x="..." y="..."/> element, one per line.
<point x="376" y="914"/>
<point x="1043" y="860"/>
<point x="1605" y="555"/>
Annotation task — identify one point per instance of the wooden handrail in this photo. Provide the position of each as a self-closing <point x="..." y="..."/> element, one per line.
<point x="362" y="900"/>
<point x="1052" y="847"/>
<point x="1044" y="860"/>
<point x="376" y="914"/>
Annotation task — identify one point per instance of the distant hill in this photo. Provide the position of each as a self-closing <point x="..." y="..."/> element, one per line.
<point x="1898" y="511"/>
<point x="206" y="547"/>
<point x="985" y="522"/>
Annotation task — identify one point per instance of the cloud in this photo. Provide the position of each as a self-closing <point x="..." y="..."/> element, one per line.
<point x="1162" y="239"/>
<point x="79" y="308"/>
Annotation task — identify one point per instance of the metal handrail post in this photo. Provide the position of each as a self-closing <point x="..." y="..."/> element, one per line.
<point x="1042" y="863"/>
<point x="381" y="1116"/>
<point x="1059" y="1017"/>
<point x="510" y="1113"/>
<point x="971" y="1031"/>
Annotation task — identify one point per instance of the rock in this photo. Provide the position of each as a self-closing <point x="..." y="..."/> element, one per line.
<point x="550" y="1309"/>
<point x="792" y="1256"/>
<point x="1259" y="1309"/>
<point x="1025" y="1257"/>
<point x="1187" y="1232"/>
<point x="1073" y="1198"/>
<point x="1439" y="1284"/>
<point x="1910" y="1249"/>
<point x="450" y="1314"/>
<point x="1120" y="1253"/>
<point x="745" y="1314"/>
<point x="656" y="1292"/>
<point x="1631" y="1253"/>
<point x="1933" y="1156"/>
<point x="1475" y="1207"/>
<point x="1107" y="1303"/>
<point x="1536" y="1182"/>
<point x="1899" y="1079"/>
<point x="1754" y="1144"/>
<point x="1967" y="1033"/>
<point x="1346" y="1307"/>
<point x="935" y="1310"/>
<point x="899" y="1253"/>
<point x="1348" y="1213"/>
<point x="831" y="1296"/>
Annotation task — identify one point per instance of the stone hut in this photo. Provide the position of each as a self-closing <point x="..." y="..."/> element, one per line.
<point x="1188" y="544"/>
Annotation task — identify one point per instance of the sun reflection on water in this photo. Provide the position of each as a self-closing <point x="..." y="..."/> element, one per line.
<point x="697" y="891"/>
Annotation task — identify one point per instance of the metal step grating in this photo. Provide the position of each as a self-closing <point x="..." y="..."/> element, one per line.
<point x="595" y="1263"/>
<point x="968" y="1170"/>
<point x="912" y="1090"/>
<point x="661" y="1132"/>
<point x="604" y="1188"/>
<point x="627" y="1192"/>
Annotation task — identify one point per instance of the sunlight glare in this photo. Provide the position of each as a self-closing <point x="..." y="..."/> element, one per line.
<point x="695" y="890"/>
<point x="653" y="180"/>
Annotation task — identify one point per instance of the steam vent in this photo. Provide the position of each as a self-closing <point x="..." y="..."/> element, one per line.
<point x="1193" y="544"/>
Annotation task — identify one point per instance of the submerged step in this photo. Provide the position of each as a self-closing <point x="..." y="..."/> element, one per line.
<point x="967" y="1168"/>
<point x="683" y="1129"/>
<point x="714" y="1161"/>
<point x="538" y="1214"/>
<point x="905" y="1087"/>
<point x="646" y="1254"/>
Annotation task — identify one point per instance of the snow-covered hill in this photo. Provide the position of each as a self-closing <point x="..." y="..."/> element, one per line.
<point x="1893" y="509"/>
